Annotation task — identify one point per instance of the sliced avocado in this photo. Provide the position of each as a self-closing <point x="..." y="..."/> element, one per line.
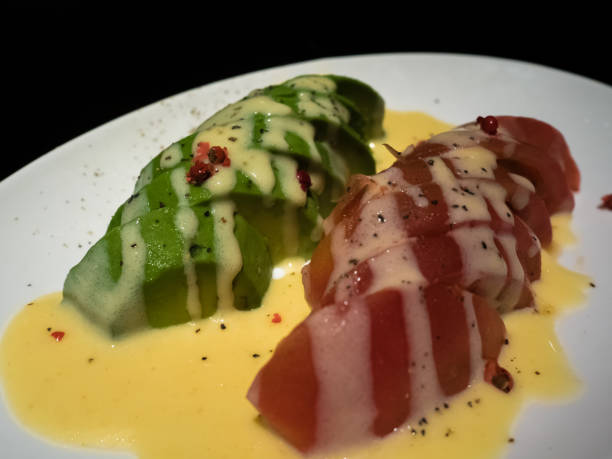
<point x="213" y="212"/>
<point x="138" y="275"/>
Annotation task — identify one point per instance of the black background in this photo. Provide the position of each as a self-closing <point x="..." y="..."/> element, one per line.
<point x="67" y="71"/>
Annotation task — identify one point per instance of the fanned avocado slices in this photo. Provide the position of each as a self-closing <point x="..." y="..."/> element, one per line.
<point x="212" y="213"/>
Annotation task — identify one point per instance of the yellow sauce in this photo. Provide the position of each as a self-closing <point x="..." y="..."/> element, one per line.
<point x="180" y="392"/>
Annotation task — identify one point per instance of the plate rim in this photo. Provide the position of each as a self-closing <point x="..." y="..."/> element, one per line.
<point x="224" y="81"/>
<point x="51" y="155"/>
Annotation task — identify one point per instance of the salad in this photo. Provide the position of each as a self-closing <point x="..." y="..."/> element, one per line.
<point x="199" y="236"/>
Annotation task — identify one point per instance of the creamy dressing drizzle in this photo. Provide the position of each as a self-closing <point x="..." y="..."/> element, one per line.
<point x="512" y="292"/>
<point x="187" y="223"/>
<point x="523" y="194"/>
<point x="222" y="183"/>
<point x="479" y="262"/>
<point x="522" y="181"/>
<point x="227" y="251"/>
<point x="317" y="179"/>
<point x="170" y="157"/>
<point x="476" y="362"/>
<point x="128" y="290"/>
<point x="534" y="248"/>
<point x="136" y="206"/>
<point x="254" y="163"/>
<point x="394" y="179"/>
<point x="240" y="110"/>
<point x="287" y="167"/>
<point x="145" y="177"/>
<point x="278" y="127"/>
<point x="347" y="385"/>
<point x="424" y="382"/>
<point x="313" y="83"/>
<point x="119" y="305"/>
<point x="477" y="161"/>
<point x="495" y="194"/>
<point x="471" y="162"/>
<point x="385" y="270"/>
<point x="371" y="236"/>
<point x="462" y="206"/>
<point x="314" y="106"/>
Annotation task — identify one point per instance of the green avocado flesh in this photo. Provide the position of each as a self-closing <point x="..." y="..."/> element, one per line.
<point x="181" y="247"/>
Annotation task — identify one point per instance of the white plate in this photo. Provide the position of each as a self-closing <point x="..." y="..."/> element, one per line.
<point x="53" y="209"/>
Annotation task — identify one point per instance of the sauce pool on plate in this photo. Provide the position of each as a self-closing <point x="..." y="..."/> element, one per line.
<point x="181" y="391"/>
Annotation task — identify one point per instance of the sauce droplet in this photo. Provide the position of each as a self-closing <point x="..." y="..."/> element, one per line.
<point x="304" y="179"/>
<point x="199" y="173"/>
<point x="219" y="155"/>
<point x="606" y="202"/>
<point x="499" y="377"/>
<point x="58" y="335"/>
<point x="276" y="318"/>
<point x="488" y="124"/>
